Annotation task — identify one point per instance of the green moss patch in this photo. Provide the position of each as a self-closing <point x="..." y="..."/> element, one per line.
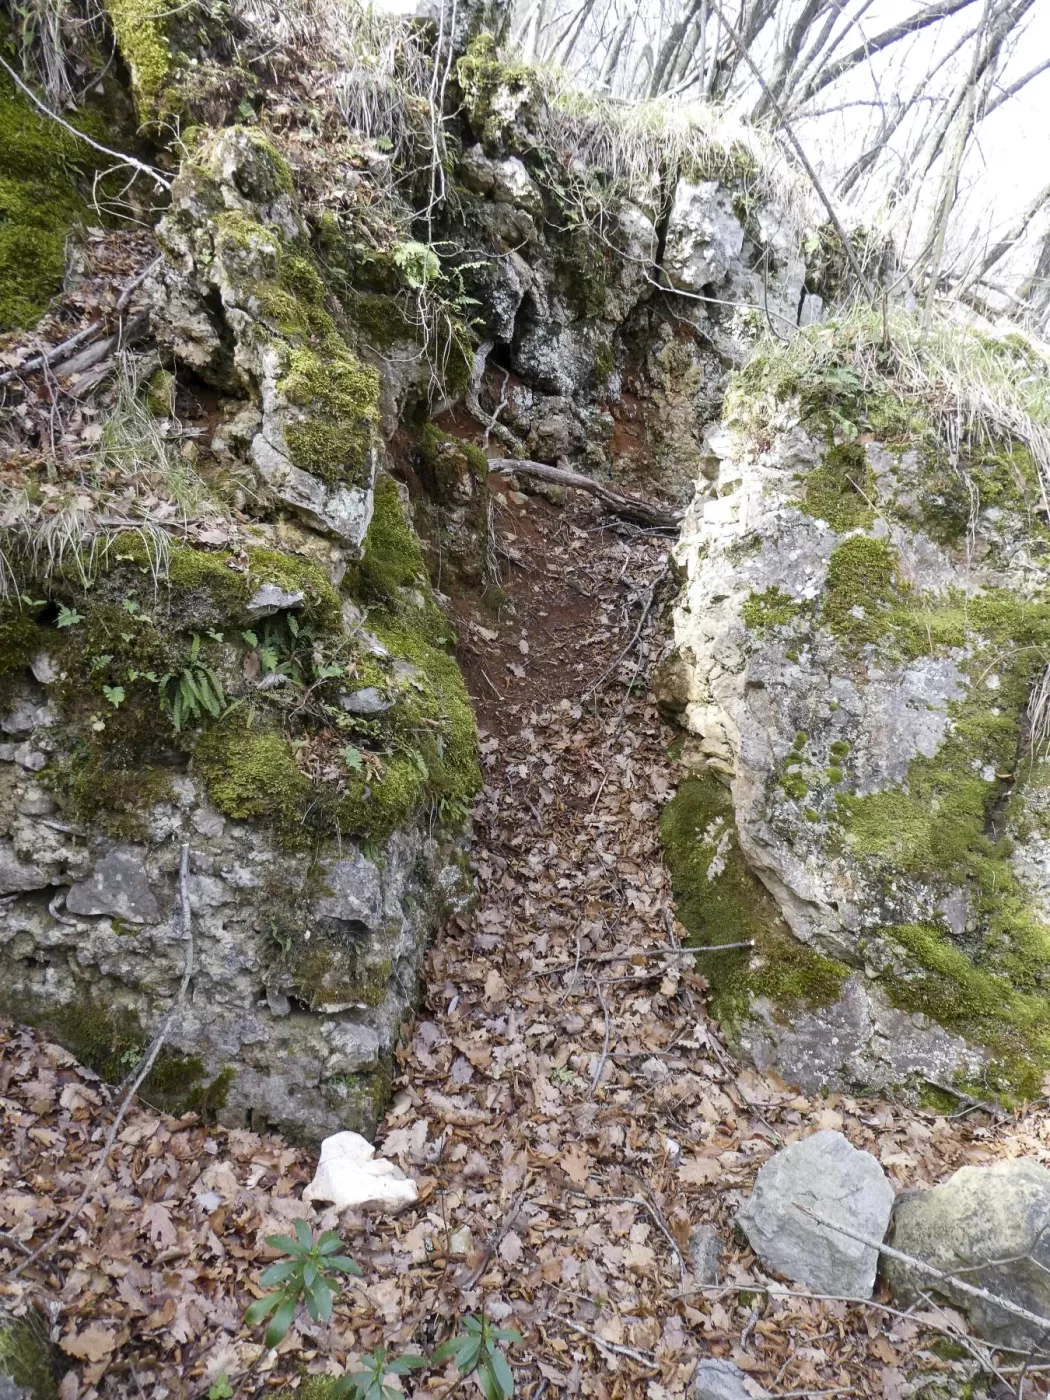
<point x="110" y="1040"/>
<point x="44" y="181"/>
<point x="251" y="773"/>
<point x="392" y="573"/>
<point x="141" y="34"/>
<point x="861" y="584"/>
<point x="947" y="826"/>
<point x="327" y="972"/>
<point x="720" y="900"/>
<point x="841" y="490"/>
<point x="773" y="607"/>
<point x="494" y="92"/>
<point x="28" y="1358"/>
<point x="942" y="982"/>
<point x="342" y="397"/>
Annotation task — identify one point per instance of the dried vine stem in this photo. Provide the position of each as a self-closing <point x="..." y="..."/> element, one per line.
<point x="135" y="164"/>
<point x="140" y="1077"/>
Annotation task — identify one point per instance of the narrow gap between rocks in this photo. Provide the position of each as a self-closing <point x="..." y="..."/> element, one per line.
<point x="580" y="1136"/>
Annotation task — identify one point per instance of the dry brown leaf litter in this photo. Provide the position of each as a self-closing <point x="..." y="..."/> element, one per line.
<point x="569" y="1113"/>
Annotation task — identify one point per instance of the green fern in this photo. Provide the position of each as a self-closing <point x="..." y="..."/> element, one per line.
<point x="193" y="692"/>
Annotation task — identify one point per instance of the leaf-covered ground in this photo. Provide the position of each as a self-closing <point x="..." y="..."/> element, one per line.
<point x="568" y="1111"/>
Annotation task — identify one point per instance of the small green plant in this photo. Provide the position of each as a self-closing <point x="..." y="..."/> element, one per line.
<point x="477" y="1349"/>
<point x="68" y="617"/>
<point x="311" y="1274"/>
<point x="187" y="695"/>
<point x="220" y="1388"/>
<point x="114" y="694"/>
<point x="417" y="263"/>
<point x="370" y="1384"/>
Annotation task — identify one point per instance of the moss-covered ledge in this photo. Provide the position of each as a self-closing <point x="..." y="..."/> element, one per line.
<point x="720" y="900"/>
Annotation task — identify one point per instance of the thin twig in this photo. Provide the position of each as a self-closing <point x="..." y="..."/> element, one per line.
<point x="921" y="1266"/>
<point x="605" y="1046"/>
<point x="140" y="1077"/>
<point x="644" y="1358"/>
<point x="498" y="1235"/>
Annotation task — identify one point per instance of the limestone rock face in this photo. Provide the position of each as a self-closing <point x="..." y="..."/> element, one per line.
<point x="856" y="648"/>
<point x="269" y="685"/>
<point x="300" y="972"/>
<point x="975" y="1218"/>
<point x="233" y="301"/>
<point x="824" y="1176"/>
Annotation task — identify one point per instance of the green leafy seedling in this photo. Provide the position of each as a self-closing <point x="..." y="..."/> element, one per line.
<point x="477" y="1349"/>
<point x="221" y="1389"/>
<point x="311" y="1273"/>
<point x="370" y="1384"/>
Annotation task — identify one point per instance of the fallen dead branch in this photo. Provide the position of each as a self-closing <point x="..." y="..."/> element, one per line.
<point x="60" y="353"/>
<point x="121" y="157"/>
<point x="489" y="421"/>
<point x="629" y="507"/>
<point x="931" y="1271"/>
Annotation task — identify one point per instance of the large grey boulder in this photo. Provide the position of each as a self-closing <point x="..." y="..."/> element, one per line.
<point x="991" y="1227"/>
<point x="858" y="639"/>
<point x="821" y="1176"/>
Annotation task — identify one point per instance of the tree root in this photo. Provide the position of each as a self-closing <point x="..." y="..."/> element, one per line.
<point x="629" y="507"/>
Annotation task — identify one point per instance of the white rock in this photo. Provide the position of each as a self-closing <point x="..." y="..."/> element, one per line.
<point x="350" y="1174"/>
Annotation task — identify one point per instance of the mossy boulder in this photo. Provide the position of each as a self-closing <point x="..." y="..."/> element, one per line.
<point x="862" y="682"/>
